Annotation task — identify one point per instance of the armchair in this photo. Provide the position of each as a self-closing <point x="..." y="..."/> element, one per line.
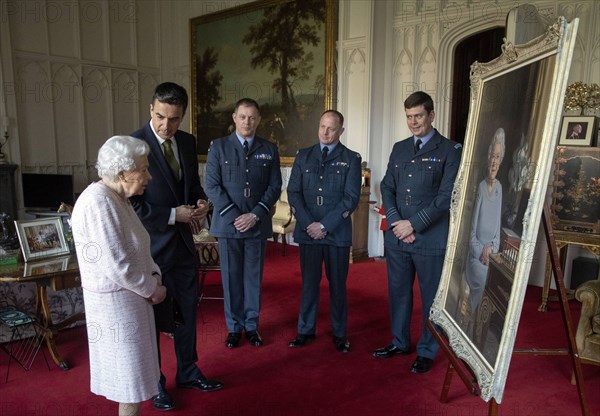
<point x="587" y="336"/>
<point x="283" y="220"/>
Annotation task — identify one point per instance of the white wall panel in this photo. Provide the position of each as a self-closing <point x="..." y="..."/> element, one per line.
<point x="122" y="31"/>
<point x="68" y="114"/>
<point x="28" y="25"/>
<point x="97" y="104"/>
<point x="148" y="31"/>
<point x="62" y="19"/>
<point x="124" y="102"/>
<point x="356" y="136"/>
<point x="34" y="95"/>
<point x="93" y="30"/>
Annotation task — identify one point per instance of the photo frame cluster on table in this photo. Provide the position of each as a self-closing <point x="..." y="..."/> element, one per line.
<point x="237" y="53"/>
<point x="42" y="238"/>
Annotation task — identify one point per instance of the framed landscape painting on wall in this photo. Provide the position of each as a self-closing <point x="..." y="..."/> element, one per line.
<point x="277" y="52"/>
<point x="498" y="199"/>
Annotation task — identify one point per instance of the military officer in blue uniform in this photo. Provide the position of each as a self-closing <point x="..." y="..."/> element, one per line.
<point x="323" y="190"/>
<point x="243" y="181"/>
<point x="416" y="192"/>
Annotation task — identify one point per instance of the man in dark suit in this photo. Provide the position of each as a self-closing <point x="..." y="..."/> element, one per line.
<point x="243" y="181"/>
<point x="416" y="192"/>
<point x="171" y="201"/>
<point x="323" y="191"/>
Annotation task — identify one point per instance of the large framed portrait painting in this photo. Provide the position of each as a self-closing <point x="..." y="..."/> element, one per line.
<point x="277" y="52"/>
<point x="498" y="198"/>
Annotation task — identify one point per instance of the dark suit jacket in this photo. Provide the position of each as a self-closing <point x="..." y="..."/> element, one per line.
<point x="237" y="186"/>
<point x="325" y="193"/>
<point x="161" y="195"/>
<point x="418" y="188"/>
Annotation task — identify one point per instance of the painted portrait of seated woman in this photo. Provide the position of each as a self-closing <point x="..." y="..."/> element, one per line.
<point x="486" y="222"/>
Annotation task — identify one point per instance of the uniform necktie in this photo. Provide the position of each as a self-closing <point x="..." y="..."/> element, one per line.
<point x="246" y="147"/>
<point x="418" y="145"/>
<point x="324" y="153"/>
<point x="170" y="156"/>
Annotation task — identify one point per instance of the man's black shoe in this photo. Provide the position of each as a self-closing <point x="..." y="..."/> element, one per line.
<point x="389" y="351"/>
<point x="233" y="339"/>
<point x="341" y="344"/>
<point x="301" y="340"/>
<point x="162" y="401"/>
<point x="421" y="365"/>
<point x="202" y="384"/>
<point x="254" y="338"/>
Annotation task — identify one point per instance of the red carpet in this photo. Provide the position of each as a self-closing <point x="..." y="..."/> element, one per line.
<point x="315" y="380"/>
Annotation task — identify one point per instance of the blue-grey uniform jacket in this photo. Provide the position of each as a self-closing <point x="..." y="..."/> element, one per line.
<point x="325" y="193"/>
<point x="418" y="188"/>
<point x="237" y="186"/>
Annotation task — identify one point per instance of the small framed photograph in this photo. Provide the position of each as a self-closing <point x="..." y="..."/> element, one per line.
<point x="37" y="268"/>
<point x="577" y="131"/>
<point x="42" y="238"/>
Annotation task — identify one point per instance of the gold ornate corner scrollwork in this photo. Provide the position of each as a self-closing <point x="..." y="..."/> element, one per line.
<point x="509" y="52"/>
<point x="477" y="70"/>
<point x="455" y="198"/>
<point x="554" y="32"/>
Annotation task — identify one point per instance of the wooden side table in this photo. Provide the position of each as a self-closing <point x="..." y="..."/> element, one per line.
<point x="46" y="273"/>
<point x="563" y="240"/>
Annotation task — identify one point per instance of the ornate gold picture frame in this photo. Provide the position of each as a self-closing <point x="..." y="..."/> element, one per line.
<point x="498" y="198"/>
<point x="277" y="52"/>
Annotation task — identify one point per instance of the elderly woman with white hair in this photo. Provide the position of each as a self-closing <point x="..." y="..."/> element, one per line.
<point x="120" y="280"/>
<point x="486" y="220"/>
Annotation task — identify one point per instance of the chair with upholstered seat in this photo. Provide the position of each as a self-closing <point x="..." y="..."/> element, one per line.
<point x="283" y="220"/>
<point x="207" y="250"/>
<point x="587" y="336"/>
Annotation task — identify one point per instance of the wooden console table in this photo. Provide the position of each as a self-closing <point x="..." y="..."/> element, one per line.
<point x="563" y="240"/>
<point x="57" y="273"/>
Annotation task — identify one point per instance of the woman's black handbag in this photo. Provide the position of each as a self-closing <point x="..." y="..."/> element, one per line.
<point x="167" y="315"/>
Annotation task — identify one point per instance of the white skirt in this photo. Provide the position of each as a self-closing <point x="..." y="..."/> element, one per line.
<point x="122" y="343"/>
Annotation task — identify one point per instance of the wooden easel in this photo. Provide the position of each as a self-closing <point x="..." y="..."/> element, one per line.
<point x="469" y="380"/>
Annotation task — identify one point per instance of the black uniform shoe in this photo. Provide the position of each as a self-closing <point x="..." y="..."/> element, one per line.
<point x="421" y="365"/>
<point x="254" y="338"/>
<point x="162" y="401"/>
<point x="202" y="384"/>
<point x="233" y="340"/>
<point x="341" y="344"/>
<point x="301" y="340"/>
<point x="389" y="351"/>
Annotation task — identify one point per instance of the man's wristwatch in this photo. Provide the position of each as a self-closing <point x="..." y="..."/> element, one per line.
<point x="256" y="219"/>
<point x="323" y="229"/>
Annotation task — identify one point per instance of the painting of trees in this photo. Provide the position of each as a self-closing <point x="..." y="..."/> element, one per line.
<point x="277" y="43"/>
<point x="277" y="52"/>
<point x="209" y="80"/>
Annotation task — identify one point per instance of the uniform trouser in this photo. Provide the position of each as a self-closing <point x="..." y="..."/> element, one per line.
<point x="181" y="282"/>
<point x="242" y="262"/>
<point x="336" y="261"/>
<point x="401" y="267"/>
